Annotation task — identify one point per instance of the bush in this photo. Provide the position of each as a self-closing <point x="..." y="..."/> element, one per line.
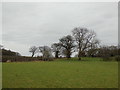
<point x="106" y="58"/>
<point x="19" y="58"/>
<point x="117" y="58"/>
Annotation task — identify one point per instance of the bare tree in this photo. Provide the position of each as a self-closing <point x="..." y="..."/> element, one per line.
<point x="33" y="50"/>
<point x="46" y="51"/>
<point x="84" y="39"/>
<point x="93" y="50"/>
<point x="56" y="48"/>
<point x="67" y="43"/>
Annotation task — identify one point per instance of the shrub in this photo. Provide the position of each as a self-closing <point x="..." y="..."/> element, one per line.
<point x="117" y="58"/>
<point x="20" y="58"/>
<point x="106" y="58"/>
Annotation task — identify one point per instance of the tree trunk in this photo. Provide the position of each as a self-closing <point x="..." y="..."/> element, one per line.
<point x="68" y="54"/>
<point x="32" y="54"/>
<point x="79" y="55"/>
<point x="56" y="54"/>
<point x="79" y="58"/>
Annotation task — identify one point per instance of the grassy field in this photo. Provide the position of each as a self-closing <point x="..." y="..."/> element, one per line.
<point x="0" y="75"/>
<point x="91" y="73"/>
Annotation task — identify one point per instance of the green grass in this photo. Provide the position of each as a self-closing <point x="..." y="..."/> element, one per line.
<point x="0" y="75"/>
<point x="61" y="74"/>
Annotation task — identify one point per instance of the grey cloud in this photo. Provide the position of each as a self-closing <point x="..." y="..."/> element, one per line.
<point x="44" y="23"/>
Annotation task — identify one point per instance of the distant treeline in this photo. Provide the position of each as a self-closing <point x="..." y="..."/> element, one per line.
<point x="103" y="52"/>
<point x="11" y="56"/>
<point x="20" y="59"/>
<point x="9" y="53"/>
<point x="82" y="41"/>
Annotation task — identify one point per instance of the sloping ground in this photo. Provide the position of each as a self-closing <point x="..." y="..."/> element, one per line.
<point x="60" y="74"/>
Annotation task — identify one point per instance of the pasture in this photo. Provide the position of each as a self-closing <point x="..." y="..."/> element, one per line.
<point x="89" y="73"/>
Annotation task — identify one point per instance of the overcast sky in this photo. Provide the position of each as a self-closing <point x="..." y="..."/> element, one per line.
<point x="28" y="24"/>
